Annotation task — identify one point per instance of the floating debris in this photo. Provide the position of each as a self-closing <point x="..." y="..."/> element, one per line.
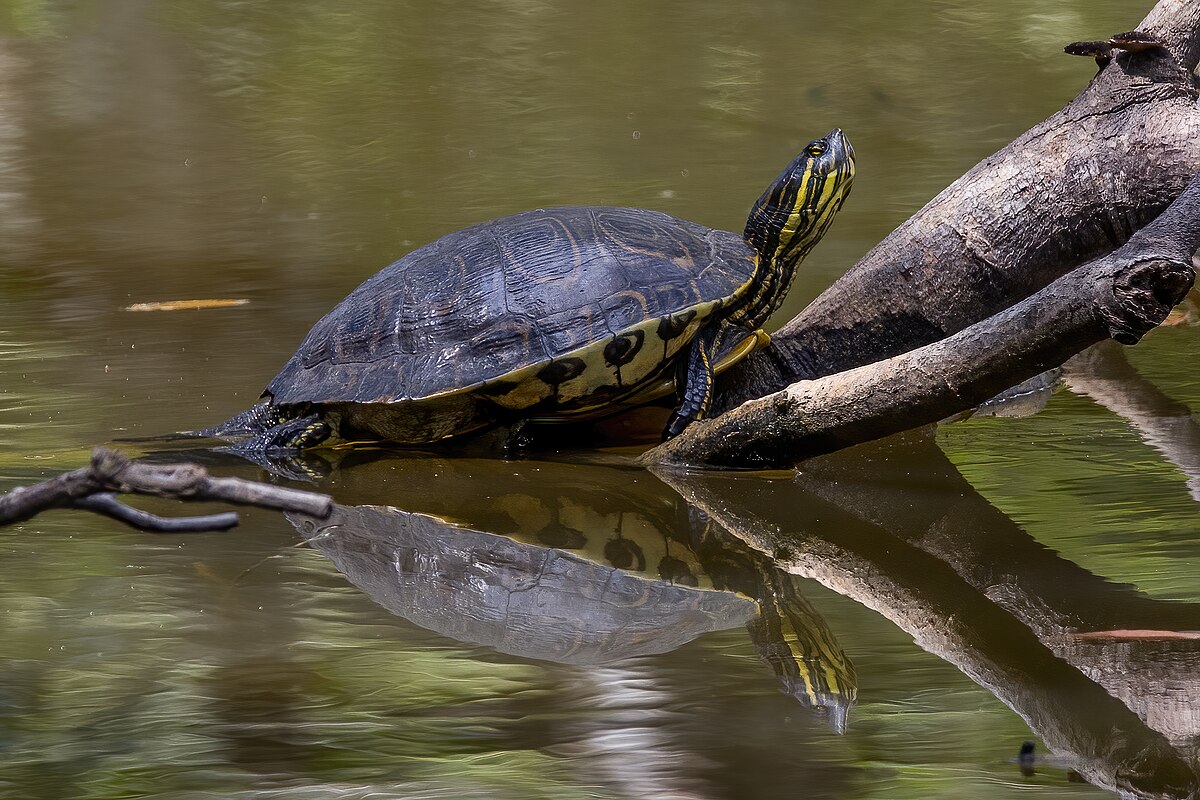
<point x="187" y="305"/>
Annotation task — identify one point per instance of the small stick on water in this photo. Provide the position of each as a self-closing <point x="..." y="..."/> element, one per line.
<point x="107" y="504"/>
<point x="94" y="488"/>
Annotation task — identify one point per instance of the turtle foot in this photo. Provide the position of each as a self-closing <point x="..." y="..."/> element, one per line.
<point x="676" y="425"/>
<point x="280" y="448"/>
<point x="295" y="434"/>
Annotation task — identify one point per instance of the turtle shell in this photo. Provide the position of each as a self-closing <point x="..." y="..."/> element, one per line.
<point x="561" y="311"/>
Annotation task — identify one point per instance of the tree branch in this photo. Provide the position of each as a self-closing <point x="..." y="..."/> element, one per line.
<point x="1120" y="296"/>
<point x="92" y="488"/>
<point x="1065" y="192"/>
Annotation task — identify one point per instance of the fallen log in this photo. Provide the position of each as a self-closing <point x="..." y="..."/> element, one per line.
<point x="1064" y="193"/>
<point x="1002" y="275"/>
<point x="1121" y="296"/>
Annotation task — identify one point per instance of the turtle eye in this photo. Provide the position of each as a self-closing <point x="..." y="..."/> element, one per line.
<point x="815" y="149"/>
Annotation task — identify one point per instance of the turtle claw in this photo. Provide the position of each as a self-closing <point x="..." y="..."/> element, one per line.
<point x="676" y="425"/>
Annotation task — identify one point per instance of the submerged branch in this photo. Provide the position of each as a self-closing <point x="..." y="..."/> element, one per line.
<point x="93" y="488"/>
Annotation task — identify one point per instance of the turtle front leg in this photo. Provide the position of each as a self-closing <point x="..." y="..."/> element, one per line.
<point x="698" y="380"/>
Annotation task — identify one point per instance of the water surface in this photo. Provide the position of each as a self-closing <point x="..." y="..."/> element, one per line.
<point x="565" y="625"/>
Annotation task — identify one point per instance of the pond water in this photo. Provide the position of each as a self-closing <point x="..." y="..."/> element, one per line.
<point x="892" y="622"/>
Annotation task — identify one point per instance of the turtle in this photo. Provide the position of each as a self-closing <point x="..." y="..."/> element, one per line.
<point x="562" y="313"/>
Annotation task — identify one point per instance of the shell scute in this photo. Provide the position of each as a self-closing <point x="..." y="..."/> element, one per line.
<point x="498" y="301"/>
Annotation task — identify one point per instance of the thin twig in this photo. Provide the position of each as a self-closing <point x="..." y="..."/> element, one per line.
<point x="92" y="488"/>
<point x="107" y="504"/>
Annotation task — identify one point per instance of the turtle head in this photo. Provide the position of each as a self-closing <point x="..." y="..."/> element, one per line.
<point x="795" y="211"/>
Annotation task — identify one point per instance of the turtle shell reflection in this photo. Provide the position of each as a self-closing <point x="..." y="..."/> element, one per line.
<point x="547" y="603"/>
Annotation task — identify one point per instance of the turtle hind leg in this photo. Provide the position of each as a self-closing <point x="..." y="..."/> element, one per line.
<point x="697" y="379"/>
<point x="266" y="427"/>
<point x="289" y="436"/>
<point x="282" y="451"/>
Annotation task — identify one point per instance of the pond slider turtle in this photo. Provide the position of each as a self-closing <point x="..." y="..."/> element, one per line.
<point x="558" y="313"/>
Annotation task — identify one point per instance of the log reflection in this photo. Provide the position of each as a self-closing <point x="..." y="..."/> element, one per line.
<point x="973" y="588"/>
<point x="1104" y="374"/>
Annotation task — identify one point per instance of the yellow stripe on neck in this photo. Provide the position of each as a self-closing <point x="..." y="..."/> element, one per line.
<point x="788" y="231"/>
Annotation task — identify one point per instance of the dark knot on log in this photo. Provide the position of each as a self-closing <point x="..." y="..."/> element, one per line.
<point x="1143" y="295"/>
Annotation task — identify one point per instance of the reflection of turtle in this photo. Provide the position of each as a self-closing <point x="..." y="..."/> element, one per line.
<point x="536" y="602"/>
<point x="789" y="634"/>
<point x="561" y="313"/>
<point x="542" y="602"/>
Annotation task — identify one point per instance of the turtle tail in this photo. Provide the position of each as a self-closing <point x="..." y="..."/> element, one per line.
<point x="258" y="418"/>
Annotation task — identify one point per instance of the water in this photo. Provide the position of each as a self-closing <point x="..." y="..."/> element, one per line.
<point x="280" y="154"/>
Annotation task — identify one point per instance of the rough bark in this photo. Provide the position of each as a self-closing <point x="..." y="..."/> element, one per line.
<point x="93" y="488"/>
<point x="1120" y="296"/>
<point x="1065" y="192"/>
